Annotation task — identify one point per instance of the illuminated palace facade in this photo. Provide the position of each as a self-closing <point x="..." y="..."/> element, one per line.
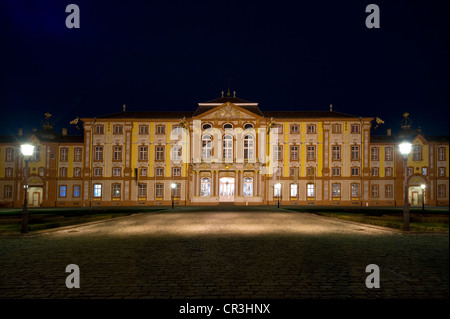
<point x="226" y="152"/>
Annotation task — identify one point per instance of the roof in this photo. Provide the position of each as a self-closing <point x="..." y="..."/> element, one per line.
<point x="251" y="108"/>
<point x="43" y="136"/>
<point x="306" y="114"/>
<point x="225" y="99"/>
<point x="147" y="115"/>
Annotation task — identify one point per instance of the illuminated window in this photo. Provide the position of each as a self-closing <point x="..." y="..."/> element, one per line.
<point x="206" y="146"/>
<point x="248" y="147"/>
<point x="76" y="191"/>
<point x="294" y="190"/>
<point x="277" y="190"/>
<point x="97" y="190"/>
<point x="116" y="190"/>
<point x="248" y="186"/>
<point x="205" y="189"/>
<point x="310" y="190"/>
<point x="336" y="190"/>
<point x="62" y="191"/>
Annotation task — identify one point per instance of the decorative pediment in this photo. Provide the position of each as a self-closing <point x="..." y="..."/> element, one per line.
<point x="228" y="111"/>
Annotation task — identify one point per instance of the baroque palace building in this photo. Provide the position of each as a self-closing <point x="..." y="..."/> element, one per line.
<point x="226" y="151"/>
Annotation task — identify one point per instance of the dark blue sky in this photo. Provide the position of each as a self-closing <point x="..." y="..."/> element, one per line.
<point x="170" y="55"/>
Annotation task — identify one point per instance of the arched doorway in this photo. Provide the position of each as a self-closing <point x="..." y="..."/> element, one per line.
<point x="226" y="189"/>
<point x="416" y="195"/>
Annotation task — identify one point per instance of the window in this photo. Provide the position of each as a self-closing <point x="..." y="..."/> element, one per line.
<point x="388" y="190"/>
<point x="294" y="190"/>
<point x="8" y="191"/>
<point x="248" y="147"/>
<point x="355" y="171"/>
<point x="228" y="126"/>
<point x="294" y="153"/>
<point x="160" y="153"/>
<point x="336" y="171"/>
<point x="205" y="187"/>
<point x="355" y="128"/>
<point x="176" y="130"/>
<point x="375" y="171"/>
<point x="417" y="152"/>
<point x="98" y="171"/>
<point x="9" y="154"/>
<point x="310" y="171"/>
<point x="228" y="147"/>
<point x="8" y="172"/>
<point x="206" y="146"/>
<point x="293" y="171"/>
<point x="98" y="153"/>
<point x="63" y="172"/>
<point x="176" y="153"/>
<point x="277" y="190"/>
<point x="374" y="154"/>
<point x="62" y="191"/>
<point x="118" y="129"/>
<point x="41" y="171"/>
<point x="64" y="155"/>
<point x="77" y="172"/>
<point x="116" y="190"/>
<point x="277" y="152"/>
<point x="311" y="153"/>
<point x="310" y="190"/>
<point x="98" y="129"/>
<point x="143" y="171"/>
<point x="116" y="171"/>
<point x="388" y="172"/>
<point x="143" y="129"/>
<point x="410" y="171"/>
<point x="176" y="191"/>
<point x="77" y="154"/>
<point x="76" y="191"/>
<point x="97" y="190"/>
<point x="206" y="126"/>
<point x="355" y="190"/>
<point x="142" y="192"/>
<point x="36" y="154"/>
<point x="143" y="153"/>
<point x="248" y="126"/>
<point x="159" y="171"/>
<point x="248" y="186"/>
<point x="355" y="153"/>
<point x="336" y="129"/>
<point x="278" y="129"/>
<point x="441" y="190"/>
<point x="176" y="171"/>
<point x="160" y="129"/>
<point x="441" y="171"/>
<point x="424" y="171"/>
<point x="388" y="153"/>
<point x="159" y="190"/>
<point x="336" y="152"/>
<point x="336" y="190"/>
<point x="374" y="190"/>
<point x="294" y="129"/>
<point x="311" y="129"/>
<point x="441" y="153"/>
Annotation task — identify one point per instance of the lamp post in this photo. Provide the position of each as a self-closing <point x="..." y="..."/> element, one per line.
<point x="278" y="187"/>
<point x="27" y="150"/>
<point x="405" y="149"/>
<point x="173" y="185"/>
<point x="423" y="186"/>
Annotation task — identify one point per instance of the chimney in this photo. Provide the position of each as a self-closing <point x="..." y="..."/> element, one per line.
<point x="331" y="107"/>
<point x="388" y="132"/>
<point x="64" y="131"/>
<point x="20" y="132"/>
<point x="234" y="93"/>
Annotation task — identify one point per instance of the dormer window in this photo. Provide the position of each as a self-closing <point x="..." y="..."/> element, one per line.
<point x="206" y="126"/>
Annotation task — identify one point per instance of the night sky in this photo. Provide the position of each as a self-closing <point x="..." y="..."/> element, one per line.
<point x="171" y="55"/>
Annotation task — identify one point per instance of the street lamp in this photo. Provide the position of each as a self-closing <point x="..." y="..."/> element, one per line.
<point x="423" y="186"/>
<point x="173" y="185"/>
<point x="27" y="150"/>
<point x="405" y="149"/>
<point x="278" y="188"/>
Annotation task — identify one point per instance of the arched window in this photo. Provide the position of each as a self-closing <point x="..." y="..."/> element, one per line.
<point x="206" y="126"/>
<point x="248" y="147"/>
<point x="248" y="186"/>
<point x="206" y="146"/>
<point x="205" y="186"/>
<point x="227" y="126"/>
<point x="228" y="147"/>
<point x="248" y="126"/>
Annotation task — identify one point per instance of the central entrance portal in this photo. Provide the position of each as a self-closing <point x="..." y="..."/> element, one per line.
<point x="226" y="189"/>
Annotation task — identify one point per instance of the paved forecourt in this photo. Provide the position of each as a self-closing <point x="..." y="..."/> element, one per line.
<point x="225" y="253"/>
